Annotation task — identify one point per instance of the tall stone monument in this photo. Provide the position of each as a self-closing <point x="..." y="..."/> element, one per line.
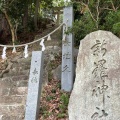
<point x="67" y="53"/>
<point x="96" y="92"/>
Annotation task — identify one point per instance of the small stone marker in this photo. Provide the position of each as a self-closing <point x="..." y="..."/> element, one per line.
<point x="96" y="92"/>
<point x="34" y="86"/>
<point x="67" y="53"/>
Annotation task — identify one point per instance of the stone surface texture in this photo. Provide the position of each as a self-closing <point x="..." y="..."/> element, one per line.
<point x="96" y="92"/>
<point x="13" y="89"/>
<point x="67" y="53"/>
<point x="57" y="73"/>
<point x="34" y="86"/>
<point x="14" y="83"/>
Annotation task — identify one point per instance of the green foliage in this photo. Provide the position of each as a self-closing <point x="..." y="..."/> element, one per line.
<point x="116" y="29"/>
<point x="64" y="102"/>
<point x="22" y="13"/>
<point x="95" y="15"/>
<point x="113" y="22"/>
<point x="59" y="85"/>
<point x="46" y="114"/>
<point x="44" y="111"/>
<point x="53" y="90"/>
<point x="60" y="3"/>
<point x="61" y="115"/>
<point x="64" y="99"/>
<point x="49" y="98"/>
<point x="46" y="3"/>
<point x="82" y="27"/>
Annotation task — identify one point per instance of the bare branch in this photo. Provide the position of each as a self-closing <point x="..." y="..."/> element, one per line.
<point x="89" y="11"/>
<point x="11" y="2"/>
<point x="107" y="9"/>
<point x="91" y="14"/>
<point x="98" y="10"/>
<point x="113" y="5"/>
<point x="117" y="7"/>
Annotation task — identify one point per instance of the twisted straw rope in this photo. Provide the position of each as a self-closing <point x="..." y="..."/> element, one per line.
<point x="12" y="46"/>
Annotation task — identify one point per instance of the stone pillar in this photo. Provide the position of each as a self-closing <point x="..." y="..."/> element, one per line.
<point x="67" y="53"/>
<point x="34" y="86"/>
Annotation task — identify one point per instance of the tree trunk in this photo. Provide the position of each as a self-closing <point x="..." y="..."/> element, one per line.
<point x="37" y="5"/>
<point x="11" y="27"/>
<point x="25" y="18"/>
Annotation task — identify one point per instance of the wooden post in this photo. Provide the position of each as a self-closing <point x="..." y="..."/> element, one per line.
<point x="34" y="86"/>
<point x="67" y="53"/>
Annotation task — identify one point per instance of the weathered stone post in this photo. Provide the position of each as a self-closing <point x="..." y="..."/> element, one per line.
<point x="67" y="52"/>
<point x="34" y="86"/>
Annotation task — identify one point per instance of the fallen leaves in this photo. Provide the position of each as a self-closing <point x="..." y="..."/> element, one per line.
<point x="53" y="104"/>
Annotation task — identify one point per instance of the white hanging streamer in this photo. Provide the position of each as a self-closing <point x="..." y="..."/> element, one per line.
<point x="4" y="53"/>
<point x="42" y="44"/>
<point x="14" y="50"/>
<point x="26" y="45"/>
<point x="49" y="38"/>
<point x="26" y="51"/>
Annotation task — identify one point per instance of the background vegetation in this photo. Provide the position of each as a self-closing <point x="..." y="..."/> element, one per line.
<point x="92" y="15"/>
<point x="26" y="15"/>
<point x="32" y="15"/>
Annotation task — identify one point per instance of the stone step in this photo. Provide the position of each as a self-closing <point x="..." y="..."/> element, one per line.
<point x="10" y="82"/>
<point x="6" y="83"/>
<point x="9" y="85"/>
<point x="18" y="91"/>
<point x="21" y="83"/>
<point x="4" y="91"/>
<point x="21" y="59"/>
<point x="12" y="109"/>
<point x="14" y="72"/>
<point x="14" y="91"/>
<point x="15" y="117"/>
<point x="22" y="66"/>
<point x="20" y="78"/>
<point x="8" y="100"/>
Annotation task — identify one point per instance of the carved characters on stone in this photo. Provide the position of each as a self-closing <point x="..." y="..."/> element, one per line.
<point x="66" y="43"/>
<point x="66" y="55"/>
<point x="99" y="90"/>
<point x="35" y="72"/>
<point x="34" y="79"/>
<point x="66" y="68"/>
<point x="99" y="114"/>
<point x="100" y="75"/>
<point x="100" y="69"/>
<point x="99" y="48"/>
